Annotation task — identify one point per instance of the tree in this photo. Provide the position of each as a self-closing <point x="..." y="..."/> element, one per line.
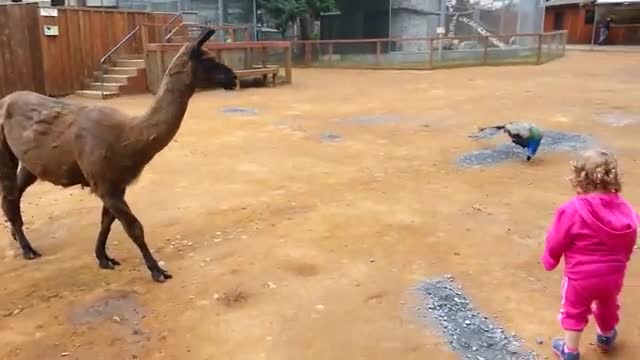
<point x="287" y="12"/>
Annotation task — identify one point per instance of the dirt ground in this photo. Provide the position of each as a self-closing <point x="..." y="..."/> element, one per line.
<point x="287" y="247"/>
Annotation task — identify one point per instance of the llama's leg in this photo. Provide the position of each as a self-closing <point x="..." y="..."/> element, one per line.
<point x="116" y="204"/>
<point x="25" y="179"/>
<point x="106" y="221"/>
<point x="11" y="194"/>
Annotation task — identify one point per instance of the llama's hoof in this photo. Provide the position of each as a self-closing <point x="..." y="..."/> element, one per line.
<point x="113" y="261"/>
<point x="106" y="264"/>
<point x="31" y="254"/>
<point x="160" y="275"/>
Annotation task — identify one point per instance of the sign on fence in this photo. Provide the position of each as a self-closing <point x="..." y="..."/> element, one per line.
<point x="51" y="30"/>
<point x="50" y="12"/>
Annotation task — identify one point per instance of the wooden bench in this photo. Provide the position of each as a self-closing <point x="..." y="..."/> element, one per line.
<point x="264" y="71"/>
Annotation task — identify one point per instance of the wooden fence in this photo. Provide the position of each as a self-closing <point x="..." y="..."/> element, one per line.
<point x="86" y="35"/>
<point x="237" y="55"/>
<point x="20" y="52"/>
<point x="57" y="65"/>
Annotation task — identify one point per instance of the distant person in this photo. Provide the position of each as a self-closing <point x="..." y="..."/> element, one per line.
<point x="526" y="135"/>
<point x="604" y="30"/>
<point x="595" y="232"/>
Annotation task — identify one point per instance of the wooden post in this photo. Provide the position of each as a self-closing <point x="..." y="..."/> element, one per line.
<point x="378" y="53"/>
<point x="430" y="53"/>
<point x="263" y="56"/>
<point x="539" y="48"/>
<point x="145" y="37"/>
<point x="288" y="65"/>
<point x="307" y="54"/>
<point x="330" y="54"/>
<point x="485" y="55"/>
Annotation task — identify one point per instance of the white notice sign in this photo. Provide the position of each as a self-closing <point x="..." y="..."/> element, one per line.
<point x="48" y="12"/>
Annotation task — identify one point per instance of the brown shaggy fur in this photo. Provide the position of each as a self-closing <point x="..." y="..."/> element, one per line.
<point x="97" y="146"/>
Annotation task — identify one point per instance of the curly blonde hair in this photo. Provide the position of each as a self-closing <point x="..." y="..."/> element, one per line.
<point x="596" y="171"/>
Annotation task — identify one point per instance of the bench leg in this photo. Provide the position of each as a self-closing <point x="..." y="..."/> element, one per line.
<point x="238" y="84"/>
<point x="264" y="78"/>
<point x="275" y="77"/>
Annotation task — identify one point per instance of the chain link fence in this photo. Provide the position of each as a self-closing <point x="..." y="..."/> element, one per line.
<point x="431" y="53"/>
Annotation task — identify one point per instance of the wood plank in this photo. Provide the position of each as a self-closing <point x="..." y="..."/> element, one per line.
<point x="257" y="72"/>
<point x="12" y="61"/>
<point x="65" y="82"/>
<point x="4" y="33"/>
<point x="33" y="25"/>
<point x="76" y="46"/>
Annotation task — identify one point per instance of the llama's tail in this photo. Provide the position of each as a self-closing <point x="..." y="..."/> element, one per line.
<point x="7" y="156"/>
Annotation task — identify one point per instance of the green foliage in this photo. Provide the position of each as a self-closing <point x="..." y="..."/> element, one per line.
<point x="286" y="12"/>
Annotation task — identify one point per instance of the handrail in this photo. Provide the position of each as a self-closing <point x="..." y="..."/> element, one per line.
<point x="108" y="55"/>
<point x="166" y="39"/>
<point x="166" y="26"/>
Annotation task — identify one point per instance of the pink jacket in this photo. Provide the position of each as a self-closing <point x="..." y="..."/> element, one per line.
<point x="596" y="233"/>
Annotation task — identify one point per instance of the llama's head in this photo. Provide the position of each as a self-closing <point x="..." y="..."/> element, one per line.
<point x="207" y="71"/>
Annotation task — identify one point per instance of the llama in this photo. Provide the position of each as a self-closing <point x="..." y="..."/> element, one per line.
<point x="100" y="147"/>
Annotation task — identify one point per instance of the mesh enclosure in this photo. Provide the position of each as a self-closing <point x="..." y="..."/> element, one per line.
<point x="433" y="33"/>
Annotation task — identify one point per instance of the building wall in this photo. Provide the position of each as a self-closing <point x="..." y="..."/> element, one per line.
<point x="574" y="22"/>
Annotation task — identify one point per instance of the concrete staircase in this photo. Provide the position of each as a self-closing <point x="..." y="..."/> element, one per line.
<point x="122" y="76"/>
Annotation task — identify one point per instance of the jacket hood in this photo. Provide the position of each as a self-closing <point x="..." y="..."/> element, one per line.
<point x="612" y="217"/>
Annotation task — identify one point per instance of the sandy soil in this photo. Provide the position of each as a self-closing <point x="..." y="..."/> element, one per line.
<point x="287" y="247"/>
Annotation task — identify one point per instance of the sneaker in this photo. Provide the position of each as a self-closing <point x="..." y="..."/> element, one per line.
<point x="558" y="348"/>
<point x="606" y="342"/>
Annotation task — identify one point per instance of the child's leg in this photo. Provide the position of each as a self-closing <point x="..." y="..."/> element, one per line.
<point x="572" y="340"/>
<point x="574" y="314"/>
<point x="605" y="312"/>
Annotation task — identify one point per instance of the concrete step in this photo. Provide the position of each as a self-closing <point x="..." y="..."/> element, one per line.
<point x="111" y="87"/>
<point x="93" y="94"/>
<point x="111" y="78"/>
<point x="131" y="56"/>
<point x="113" y="70"/>
<point x="132" y="63"/>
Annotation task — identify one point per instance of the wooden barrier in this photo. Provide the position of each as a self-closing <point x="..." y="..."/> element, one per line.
<point x="237" y="55"/>
<point x="20" y="53"/>
<point x="85" y="37"/>
<point x="58" y="65"/>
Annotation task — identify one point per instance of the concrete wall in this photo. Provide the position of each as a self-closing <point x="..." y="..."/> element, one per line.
<point x="414" y="19"/>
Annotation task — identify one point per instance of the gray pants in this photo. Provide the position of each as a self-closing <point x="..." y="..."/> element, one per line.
<point x="604" y="33"/>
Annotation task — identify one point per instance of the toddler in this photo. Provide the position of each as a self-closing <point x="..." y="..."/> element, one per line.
<point x="596" y="233"/>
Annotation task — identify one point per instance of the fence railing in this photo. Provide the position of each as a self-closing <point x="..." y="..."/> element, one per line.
<point x="430" y="53"/>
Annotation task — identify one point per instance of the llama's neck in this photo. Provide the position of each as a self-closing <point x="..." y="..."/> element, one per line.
<point x="158" y="126"/>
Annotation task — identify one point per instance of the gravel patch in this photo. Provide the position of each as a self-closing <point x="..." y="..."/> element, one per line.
<point x="618" y="119"/>
<point x="330" y="138"/>
<point x="468" y="332"/>
<point x="553" y="141"/>
<point x="239" y="111"/>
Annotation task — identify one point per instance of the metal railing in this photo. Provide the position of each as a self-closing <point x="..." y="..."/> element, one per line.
<point x="180" y="26"/>
<point x="164" y="29"/>
<point x="432" y="52"/>
<point x="107" y="57"/>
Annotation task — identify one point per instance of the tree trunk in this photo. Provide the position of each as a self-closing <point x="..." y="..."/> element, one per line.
<point x="306" y="26"/>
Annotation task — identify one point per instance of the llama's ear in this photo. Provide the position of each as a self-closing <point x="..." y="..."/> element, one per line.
<point x="206" y="35"/>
